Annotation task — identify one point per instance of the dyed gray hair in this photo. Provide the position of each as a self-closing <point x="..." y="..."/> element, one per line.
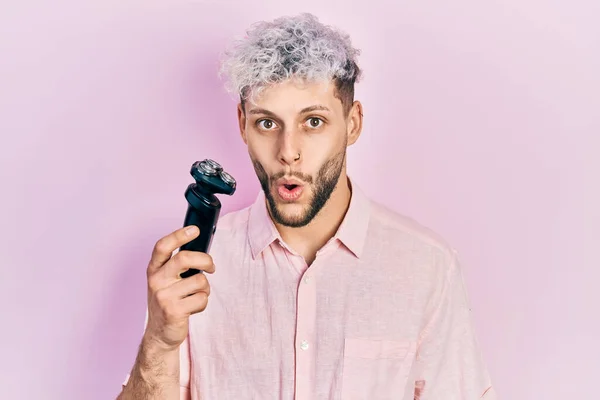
<point x="290" y="47"/>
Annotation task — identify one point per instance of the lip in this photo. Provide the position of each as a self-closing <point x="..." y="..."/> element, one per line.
<point x="283" y="181"/>
<point x="286" y="194"/>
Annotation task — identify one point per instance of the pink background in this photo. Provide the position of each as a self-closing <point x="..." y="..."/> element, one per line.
<point x="481" y="121"/>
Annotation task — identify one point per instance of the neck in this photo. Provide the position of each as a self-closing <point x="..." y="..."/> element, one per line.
<point x="308" y="239"/>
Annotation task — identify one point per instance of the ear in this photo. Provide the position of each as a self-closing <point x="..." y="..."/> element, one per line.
<point x="242" y="122"/>
<point x="355" y="122"/>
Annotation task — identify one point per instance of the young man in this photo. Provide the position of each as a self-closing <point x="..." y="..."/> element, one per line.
<point x="316" y="291"/>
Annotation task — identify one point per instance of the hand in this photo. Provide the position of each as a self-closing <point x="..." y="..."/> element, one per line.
<point x="172" y="299"/>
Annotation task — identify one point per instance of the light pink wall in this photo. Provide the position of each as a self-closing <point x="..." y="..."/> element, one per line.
<point x="481" y="121"/>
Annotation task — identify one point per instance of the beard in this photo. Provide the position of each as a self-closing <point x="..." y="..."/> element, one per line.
<point x="322" y="187"/>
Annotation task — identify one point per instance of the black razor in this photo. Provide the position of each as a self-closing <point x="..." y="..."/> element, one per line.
<point x="203" y="206"/>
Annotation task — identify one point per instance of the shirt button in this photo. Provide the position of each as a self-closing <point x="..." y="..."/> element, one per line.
<point x="304" y="345"/>
<point x="306" y="279"/>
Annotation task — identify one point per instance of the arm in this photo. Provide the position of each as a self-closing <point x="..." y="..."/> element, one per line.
<point x="161" y="369"/>
<point x="449" y="362"/>
<point x="155" y="374"/>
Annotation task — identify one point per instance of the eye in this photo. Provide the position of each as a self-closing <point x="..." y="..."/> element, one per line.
<point x="315" y="122"/>
<point x="265" y="124"/>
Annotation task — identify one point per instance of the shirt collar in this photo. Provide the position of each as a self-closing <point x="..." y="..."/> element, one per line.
<point x="352" y="231"/>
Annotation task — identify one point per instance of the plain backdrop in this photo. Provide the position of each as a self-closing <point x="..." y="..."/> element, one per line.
<point x="481" y="122"/>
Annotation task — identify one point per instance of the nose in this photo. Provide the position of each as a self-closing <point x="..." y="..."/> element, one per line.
<point x="289" y="148"/>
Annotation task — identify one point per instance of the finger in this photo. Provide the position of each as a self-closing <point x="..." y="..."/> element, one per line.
<point x="192" y="285"/>
<point x="184" y="260"/>
<point x="194" y="303"/>
<point x="164" y="248"/>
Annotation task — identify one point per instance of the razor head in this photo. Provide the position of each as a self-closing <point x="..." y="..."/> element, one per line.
<point x="211" y="176"/>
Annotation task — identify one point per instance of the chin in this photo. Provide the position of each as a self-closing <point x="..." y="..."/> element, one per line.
<point x="292" y="221"/>
<point x="292" y="211"/>
<point x="292" y="214"/>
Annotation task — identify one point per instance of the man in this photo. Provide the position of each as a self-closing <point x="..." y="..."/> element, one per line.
<point x="316" y="291"/>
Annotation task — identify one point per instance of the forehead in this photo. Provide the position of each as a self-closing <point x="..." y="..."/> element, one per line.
<point x="291" y="96"/>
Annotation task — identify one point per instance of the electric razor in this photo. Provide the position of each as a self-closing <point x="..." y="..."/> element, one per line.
<point x="203" y="206"/>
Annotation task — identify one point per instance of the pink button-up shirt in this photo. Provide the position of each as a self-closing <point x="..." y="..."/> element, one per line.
<point x="382" y="313"/>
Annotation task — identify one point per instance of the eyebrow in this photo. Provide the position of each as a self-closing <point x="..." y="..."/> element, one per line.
<point x="317" y="107"/>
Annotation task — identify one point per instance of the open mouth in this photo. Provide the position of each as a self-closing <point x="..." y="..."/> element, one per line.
<point x="289" y="192"/>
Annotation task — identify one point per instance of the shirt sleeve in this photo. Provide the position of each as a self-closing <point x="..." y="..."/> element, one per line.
<point x="449" y="363"/>
<point x="185" y="369"/>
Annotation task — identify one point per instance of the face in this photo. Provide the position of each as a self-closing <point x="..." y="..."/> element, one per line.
<point x="297" y="135"/>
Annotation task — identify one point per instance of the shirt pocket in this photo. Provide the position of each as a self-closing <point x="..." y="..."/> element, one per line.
<point x="376" y="369"/>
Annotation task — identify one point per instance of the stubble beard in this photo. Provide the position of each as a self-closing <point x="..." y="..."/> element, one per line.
<point x="322" y="188"/>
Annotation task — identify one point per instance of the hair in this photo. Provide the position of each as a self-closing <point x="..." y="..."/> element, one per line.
<point x="291" y="47"/>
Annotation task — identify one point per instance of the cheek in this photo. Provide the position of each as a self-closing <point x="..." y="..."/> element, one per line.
<point x="321" y="150"/>
<point x="256" y="146"/>
<point x="262" y="152"/>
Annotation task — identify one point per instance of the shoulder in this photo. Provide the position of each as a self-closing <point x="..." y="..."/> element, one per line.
<point x="233" y="221"/>
<point x="408" y="248"/>
<point x="231" y="235"/>
<point x="401" y="231"/>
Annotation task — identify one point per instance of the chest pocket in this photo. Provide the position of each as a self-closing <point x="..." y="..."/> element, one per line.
<point x="376" y="369"/>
